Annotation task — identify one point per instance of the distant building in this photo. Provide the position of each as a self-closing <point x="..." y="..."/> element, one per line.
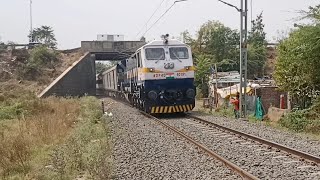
<point x="110" y="37"/>
<point x="225" y="79"/>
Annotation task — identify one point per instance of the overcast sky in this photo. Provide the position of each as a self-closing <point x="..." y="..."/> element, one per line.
<point x="77" y="20"/>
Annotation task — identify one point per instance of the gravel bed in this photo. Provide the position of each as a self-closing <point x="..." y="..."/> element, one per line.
<point x="143" y="149"/>
<point x="255" y="158"/>
<point x="297" y="141"/>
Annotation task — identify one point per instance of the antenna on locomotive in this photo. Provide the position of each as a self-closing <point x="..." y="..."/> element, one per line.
<point x="165" y="38"/>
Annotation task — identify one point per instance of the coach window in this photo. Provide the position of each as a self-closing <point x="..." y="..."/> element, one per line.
<point x="139" y="59"/>
<point x="179" y="53"/>
<point x="155" y="54"/>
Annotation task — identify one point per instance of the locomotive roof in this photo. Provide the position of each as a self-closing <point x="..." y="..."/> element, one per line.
<point x="171" y="42"/>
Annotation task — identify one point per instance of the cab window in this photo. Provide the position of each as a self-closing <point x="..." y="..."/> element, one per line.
<point x="179" y="53"/>
<point x="155" y="54"/>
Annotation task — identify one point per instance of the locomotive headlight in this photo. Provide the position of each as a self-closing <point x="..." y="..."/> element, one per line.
<point x="190" y="93"/>
<point x="171" y="65"/>
<point x="151" y="69"/>
<point x="152" y="95"/>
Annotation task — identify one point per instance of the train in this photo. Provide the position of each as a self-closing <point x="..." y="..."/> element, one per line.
<point x="158" y="78"/>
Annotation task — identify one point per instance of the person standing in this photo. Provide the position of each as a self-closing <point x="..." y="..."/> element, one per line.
<point x="236" y="108"/>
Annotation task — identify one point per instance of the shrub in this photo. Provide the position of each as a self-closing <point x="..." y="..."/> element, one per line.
<point x="41" y="57"/>
<point x="295" y="121"/>
<point x="307" y="120"/>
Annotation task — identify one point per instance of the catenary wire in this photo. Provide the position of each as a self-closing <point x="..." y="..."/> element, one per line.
<point x="155" y="11"/>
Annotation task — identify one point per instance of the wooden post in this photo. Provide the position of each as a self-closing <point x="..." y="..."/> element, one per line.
<point x="102" y="106"/>
<point x="216" y="88"/>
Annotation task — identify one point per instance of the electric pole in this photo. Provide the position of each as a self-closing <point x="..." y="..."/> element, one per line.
<point x="243" y="54"/>
<point x="31" y="28"/>
<point x="243" y="57"/>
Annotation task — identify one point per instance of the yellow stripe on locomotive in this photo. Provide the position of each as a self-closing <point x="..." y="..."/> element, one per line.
<point x="171" y="109"/>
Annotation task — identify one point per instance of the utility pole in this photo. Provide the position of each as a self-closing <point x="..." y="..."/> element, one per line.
<point x="243" y="57"/>
<point x="243" y="53"/>
<point x="31" y="28"/>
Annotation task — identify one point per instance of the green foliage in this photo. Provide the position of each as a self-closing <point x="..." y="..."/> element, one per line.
<point x="44" y="35"/>
<point x="100" y="67"/>
<point x="257" y="50"/>
<point x="217" y="44"/>
<point x="295" y="121"/>
<point x="307" y="120"/>
<point x="313" y="13"/>
<point x="298" y="65"/>
<point x="14" y="103"/>
<point x="203" y="65"/>
<point x="41" y="57"/>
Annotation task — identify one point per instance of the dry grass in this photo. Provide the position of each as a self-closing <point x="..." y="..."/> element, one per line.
<point x="28" y="135"/>
<point x="52" y="138"/>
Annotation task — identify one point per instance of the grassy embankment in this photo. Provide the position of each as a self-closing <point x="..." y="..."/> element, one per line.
<point x="52" y="138"/>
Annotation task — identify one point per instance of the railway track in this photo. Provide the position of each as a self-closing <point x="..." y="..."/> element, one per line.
<point x="261" y="158"/>
<point x="304" y="156"/>
<point x="234" y="167"/>
<point x="269" y="160"/>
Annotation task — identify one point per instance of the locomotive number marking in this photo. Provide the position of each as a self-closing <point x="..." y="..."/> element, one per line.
<point x="181" y="74"/>
<point x="157" y="75"/>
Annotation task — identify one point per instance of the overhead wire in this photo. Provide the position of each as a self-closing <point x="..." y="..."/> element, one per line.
<point x="161" y="17"/>
<point x="155" y="11"/>
<point x="122" y="52"/>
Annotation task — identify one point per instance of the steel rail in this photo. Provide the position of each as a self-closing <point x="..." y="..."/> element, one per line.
<point x="298" y="153"/>
<point x="235" y="168"/>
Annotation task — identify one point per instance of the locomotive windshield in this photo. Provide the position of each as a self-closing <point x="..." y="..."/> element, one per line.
<point x="179" y="53"/>
<point x="155" y="54"/>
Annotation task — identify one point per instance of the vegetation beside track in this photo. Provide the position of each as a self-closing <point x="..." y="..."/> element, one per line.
<point x="53" y="138"/>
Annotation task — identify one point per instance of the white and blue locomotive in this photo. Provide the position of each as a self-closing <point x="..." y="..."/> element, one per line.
<point x="158" y="78"/>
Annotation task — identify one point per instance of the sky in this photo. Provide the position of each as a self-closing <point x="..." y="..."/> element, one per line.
<point x="74" y="21"/>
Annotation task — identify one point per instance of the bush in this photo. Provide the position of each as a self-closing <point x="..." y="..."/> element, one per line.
<point x="41" y="57"/>
<point x="307" y="120"/>
<point x="295" y="121"/>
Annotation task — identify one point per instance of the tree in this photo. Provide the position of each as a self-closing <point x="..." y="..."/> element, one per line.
<point x="101" y="67"/>
<point x="203" y="64"/>
<point x="313" y="13"/>
<point x="298" y="65"/>
<point x="257" y="53"/>
<point x="218" y="43"/>
<point x="44" y="35"/>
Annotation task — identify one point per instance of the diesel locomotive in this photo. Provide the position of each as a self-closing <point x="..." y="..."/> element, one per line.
<point x="158" y="78"/>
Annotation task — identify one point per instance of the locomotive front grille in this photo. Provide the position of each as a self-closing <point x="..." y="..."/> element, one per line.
<point x="171" y="109"/>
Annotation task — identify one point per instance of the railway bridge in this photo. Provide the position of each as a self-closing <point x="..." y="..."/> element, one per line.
<point x="80" y="78"/>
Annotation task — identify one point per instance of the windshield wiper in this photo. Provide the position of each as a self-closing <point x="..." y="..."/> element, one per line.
<point x="176" y="56"/>
<point x="159" y="59"/>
